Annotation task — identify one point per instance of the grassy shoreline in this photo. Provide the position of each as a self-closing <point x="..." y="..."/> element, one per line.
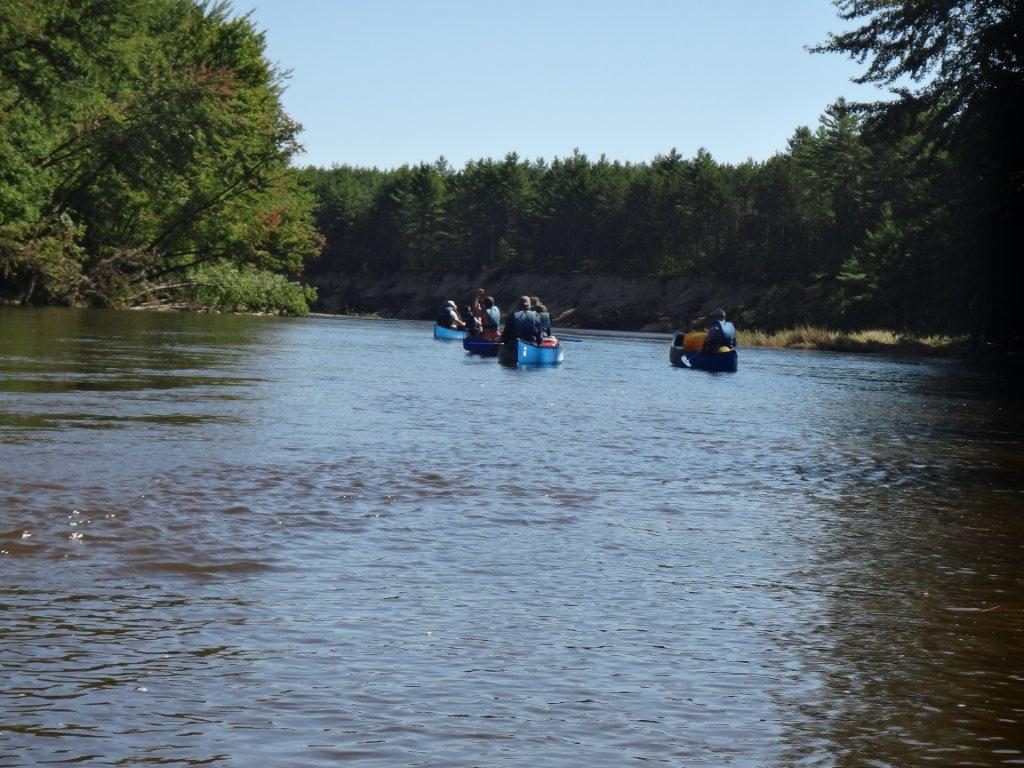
<point x="877" y="340"/>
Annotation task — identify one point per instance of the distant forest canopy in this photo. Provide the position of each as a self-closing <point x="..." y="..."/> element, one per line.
<point x="145" y="158"/>
<point x="837" y="204"/>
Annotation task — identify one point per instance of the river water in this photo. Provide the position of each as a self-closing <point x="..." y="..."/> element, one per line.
<point x="310" y="542"/>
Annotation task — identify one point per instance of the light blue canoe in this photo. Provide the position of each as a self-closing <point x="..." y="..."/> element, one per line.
<point x="525" y="353"/>
<point x="448" y="334"/>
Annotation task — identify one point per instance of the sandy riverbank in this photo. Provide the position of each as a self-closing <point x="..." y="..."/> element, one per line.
<point x="575" y="300"/>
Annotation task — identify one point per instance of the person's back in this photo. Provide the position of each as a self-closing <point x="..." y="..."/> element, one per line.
<point x="449" y="317"/>
<point x="542" y="314"/>
<point x="490" y="319"/>
<point x="472" y="322"/>
<point x="545" y="320"/>
<point x="721" y="333"/>
<point x="523" y="323"/>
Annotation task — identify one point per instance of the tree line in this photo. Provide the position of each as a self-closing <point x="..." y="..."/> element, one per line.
<point x="145" y="158"/>
<point x="837" y="204"/>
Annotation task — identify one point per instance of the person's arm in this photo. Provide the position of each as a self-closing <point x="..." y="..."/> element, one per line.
<point x="707" y="340"/>
<point x="713" y="340"/>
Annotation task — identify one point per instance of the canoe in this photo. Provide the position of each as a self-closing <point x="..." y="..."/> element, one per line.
<point x="448" y="334"/>
<point x="482" y="347"/>
<point x="717" y="362"/>
<point x="525" y="353"/>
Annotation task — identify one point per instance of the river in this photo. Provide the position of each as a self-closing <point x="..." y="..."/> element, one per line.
<point x="254" y="541"/>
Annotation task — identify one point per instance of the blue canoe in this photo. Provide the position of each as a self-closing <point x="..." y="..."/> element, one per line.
<point x="448" y="334"/>
<point x="482" y="347"/>
<point x="525" y="353"/>
<point x="717" y="362"/>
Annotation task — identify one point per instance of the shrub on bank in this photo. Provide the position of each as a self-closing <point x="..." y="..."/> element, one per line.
<point x="227" y="288"/>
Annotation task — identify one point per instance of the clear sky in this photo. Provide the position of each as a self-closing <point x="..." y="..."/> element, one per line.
<point x="390" y="82"/>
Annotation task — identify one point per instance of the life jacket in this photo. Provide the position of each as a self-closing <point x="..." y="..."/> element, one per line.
<point x="527" y="325"/>
<point x="722" y="333"/>
<point x="545" y="322"/>
<point x="730" y="333"/>
<point x="491" y="318"/>
<point x="446" y="319"/>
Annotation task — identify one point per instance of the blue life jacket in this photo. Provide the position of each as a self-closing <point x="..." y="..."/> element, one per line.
<point x="527" y="325"/>
<point x="446" y="318"/>
<point x="722" y="333"/>
<point x="545" y="323"/>
<point x="492" y="318"/>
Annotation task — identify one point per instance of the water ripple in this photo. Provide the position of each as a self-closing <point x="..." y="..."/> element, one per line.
<point x="271" y="553"/>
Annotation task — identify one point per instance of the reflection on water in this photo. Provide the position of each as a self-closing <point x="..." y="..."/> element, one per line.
<point x="256" y="541"/>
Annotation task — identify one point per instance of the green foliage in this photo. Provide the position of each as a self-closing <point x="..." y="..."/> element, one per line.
<point x="862" y="272"/>
<point x="156" y="127"/>
<point x="228" y="288"/>
<point x="957" y="74"/>
<point x="672" y="215"/>
<point x="46" y="262"/>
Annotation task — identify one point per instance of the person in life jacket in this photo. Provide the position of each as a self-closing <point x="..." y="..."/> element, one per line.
<point x="473" y="327"/>
<point x="543" y="314"/>
<point x="522" y="323"/>
<point x="449" y="316"/>
<point x="476" y="306"/>
<point x="721" y="333"/>
<point x="490" y="319"/>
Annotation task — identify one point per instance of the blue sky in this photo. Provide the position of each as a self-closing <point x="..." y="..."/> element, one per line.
<point x="390" y="82"/>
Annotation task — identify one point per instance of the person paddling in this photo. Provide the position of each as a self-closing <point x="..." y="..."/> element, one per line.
<point x="522" y="323"/>
<point x="472" y="322"/>
<point x="721" y="333"/>
<point x="490" y="319"/>
<point x="449" y="316"/>
<point x="543" y="314"/>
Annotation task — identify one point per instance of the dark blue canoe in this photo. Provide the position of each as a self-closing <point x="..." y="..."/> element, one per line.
<point x="717" y="362"/>
<point x="482" y="347"/>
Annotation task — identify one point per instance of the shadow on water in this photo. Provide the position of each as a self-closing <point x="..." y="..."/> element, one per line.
<point x="49" y="353"/>
<point x="61" y="341"/>
<point x="919" y="649"/>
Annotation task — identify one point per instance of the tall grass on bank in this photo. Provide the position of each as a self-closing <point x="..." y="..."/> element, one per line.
<point x="808" y="337"/>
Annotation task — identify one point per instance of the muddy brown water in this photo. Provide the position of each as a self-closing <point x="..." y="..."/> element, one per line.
<point x="254" y="541"/>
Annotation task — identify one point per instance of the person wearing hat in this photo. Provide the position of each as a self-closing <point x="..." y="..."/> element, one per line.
<point x="522" y="323"/>
<point x="721" y="333"/>
<point x="449" y="316"/>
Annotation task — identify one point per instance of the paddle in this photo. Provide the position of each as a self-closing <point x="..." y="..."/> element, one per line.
<point x="570" y="338"/>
